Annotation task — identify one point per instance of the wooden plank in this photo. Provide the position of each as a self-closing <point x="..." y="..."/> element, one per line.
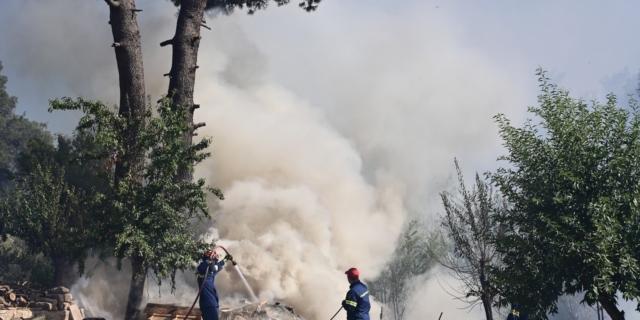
<point x="169" y="309"/>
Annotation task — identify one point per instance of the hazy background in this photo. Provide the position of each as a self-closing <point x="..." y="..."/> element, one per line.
<point x="336" y="127"/>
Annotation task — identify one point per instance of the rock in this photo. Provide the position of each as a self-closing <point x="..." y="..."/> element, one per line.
<point x="48" y="300"/>
<point x="66" y="297"/>
<point x="54" y="307"/>
<point x="51" y="315"/>
<point x="10" y="314"/>
<point x="63" y="305"/>
<point x="58" y="290"/>
<point x="41" y="305"/>
<point x="75" y="313"/>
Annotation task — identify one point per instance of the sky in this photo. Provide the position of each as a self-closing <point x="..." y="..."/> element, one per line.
<point x="382" y="94"/>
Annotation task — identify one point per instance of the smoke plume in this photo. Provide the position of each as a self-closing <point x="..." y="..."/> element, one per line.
<point x="322" y="159"/>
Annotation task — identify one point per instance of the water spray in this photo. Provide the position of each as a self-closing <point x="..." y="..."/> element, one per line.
<point x="246" y="284"/>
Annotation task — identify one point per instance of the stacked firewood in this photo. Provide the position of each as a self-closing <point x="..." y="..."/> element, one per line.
<point x="16" y="295"/>
<point x="20" y="296"/>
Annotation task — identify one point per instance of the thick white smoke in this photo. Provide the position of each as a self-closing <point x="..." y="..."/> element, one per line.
<point x="312" y="187"/>
<point x="298" y="212"/>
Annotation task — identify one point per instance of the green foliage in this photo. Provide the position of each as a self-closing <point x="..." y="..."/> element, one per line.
<point x="412" y="258"/>
<point x="48" y="214"/>
<point x="572" y="180"/>
<point x="19" y="264"/>
<point x="227" y="6"/>
<point x="15" y="131"/>
<point x="144" y="213"/>
<point x="469" y="224"/>
<point x="47" y="206"/>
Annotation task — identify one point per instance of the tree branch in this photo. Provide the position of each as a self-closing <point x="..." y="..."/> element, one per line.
<point x="113" y="3"/>
<point x="198" y="125"/>
<point x="166" y="42"/>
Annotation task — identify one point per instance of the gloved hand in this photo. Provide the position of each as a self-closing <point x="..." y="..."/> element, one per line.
<point x="228" y="257"/>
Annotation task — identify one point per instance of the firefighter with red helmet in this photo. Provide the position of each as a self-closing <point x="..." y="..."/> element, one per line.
<point x="206" y="273"/>
<point x="357" y="302"/>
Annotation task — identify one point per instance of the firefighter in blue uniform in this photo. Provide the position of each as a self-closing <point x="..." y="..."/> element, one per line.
<point x="515" y="313"/>
<point x="209" y="296"/>
<point x="357" y="301"/>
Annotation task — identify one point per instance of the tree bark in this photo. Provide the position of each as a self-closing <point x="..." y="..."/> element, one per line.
<point x="63" y="268"/>
<point x="128" y="50"/>
<point x="610" y="307"/>
<point x="59" y="265"/>
<point x="136" y="288"/>
<point x="486" y="301"/>
<point x="182" y="76"/>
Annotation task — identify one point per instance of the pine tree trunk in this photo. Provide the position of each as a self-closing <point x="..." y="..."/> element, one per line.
<point x="136" y="288"/>
<point x="128" y="50"/>
<point x="186" y="43"/>
<point x="610" y="307"/>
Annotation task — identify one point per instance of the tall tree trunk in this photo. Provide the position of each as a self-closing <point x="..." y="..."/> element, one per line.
<point x="182" y="75"/>
<point x="136" y="288"/>
<point x="610" y="307"/>
<point x="128" y="50"/>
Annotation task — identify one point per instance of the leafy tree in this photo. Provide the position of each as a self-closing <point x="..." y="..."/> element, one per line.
<point x="574" y="225"/>
<point x="145" y="215"/>
<point x="469" y="224"/>
<point x="46" y="206"/>
<point x="411" y="259"/>
<point x="15" y="131"/>
<point x="50" y="216"/>
<point x="19" y="264"/>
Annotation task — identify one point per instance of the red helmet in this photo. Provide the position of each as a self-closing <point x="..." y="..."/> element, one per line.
<point x="353" y="273"/>
<point x="210" y="254"/>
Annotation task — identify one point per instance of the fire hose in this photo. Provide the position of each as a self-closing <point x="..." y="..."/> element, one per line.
<point x="205" y="278"/>
<point x="336" y="313"/>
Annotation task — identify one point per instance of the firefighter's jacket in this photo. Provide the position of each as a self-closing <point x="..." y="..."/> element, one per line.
<point x="209" y="295"/>
<point x="357" y="302"/>
<point x="515" y="313"/>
